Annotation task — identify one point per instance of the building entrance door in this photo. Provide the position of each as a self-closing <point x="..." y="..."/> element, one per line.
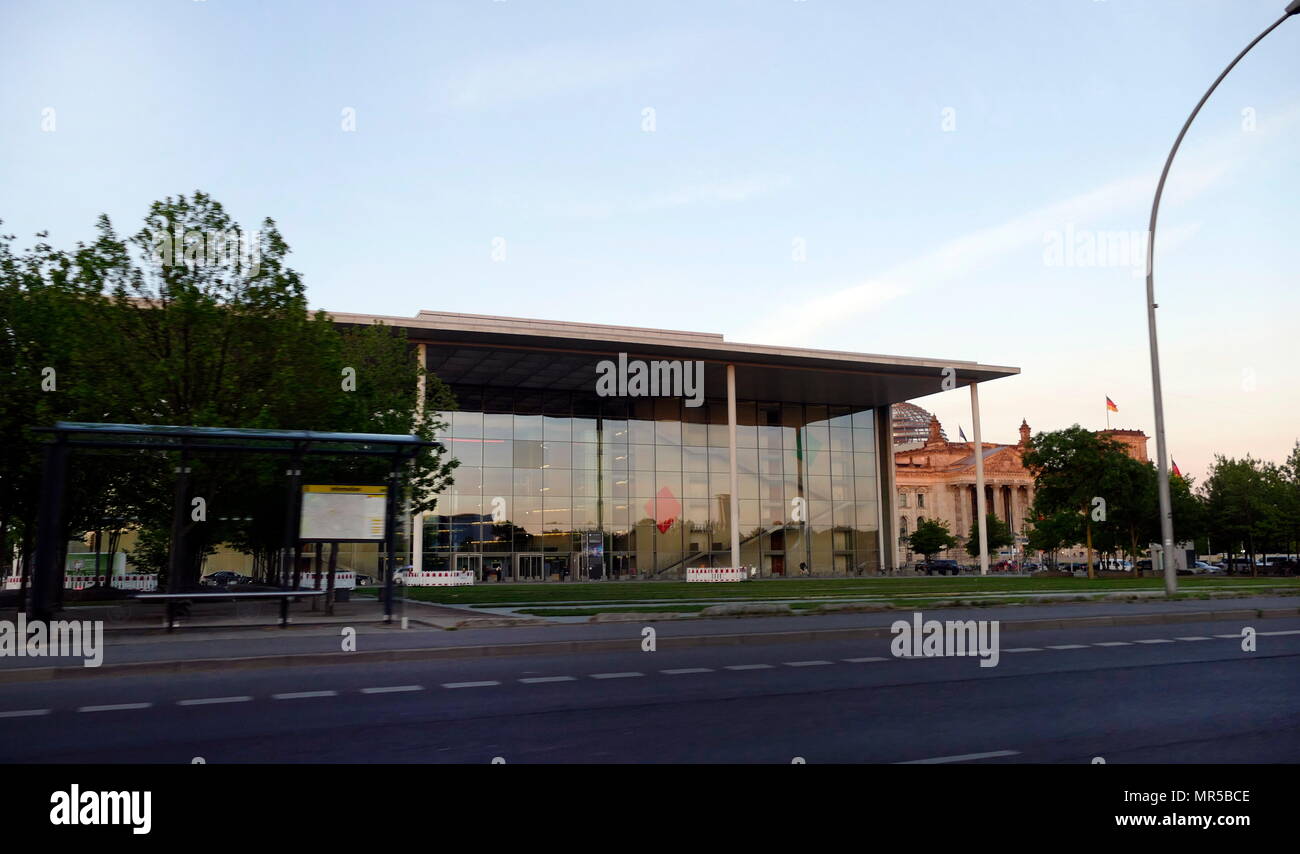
<point x="529" y="566"/>
<point x="557" y="566"/>
<point x="469" y="563"/>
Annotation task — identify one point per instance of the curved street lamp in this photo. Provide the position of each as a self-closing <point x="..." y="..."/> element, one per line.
<point x="1166" y="515"/>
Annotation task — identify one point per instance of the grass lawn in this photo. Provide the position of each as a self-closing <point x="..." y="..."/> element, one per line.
<point x="541" y="594"/>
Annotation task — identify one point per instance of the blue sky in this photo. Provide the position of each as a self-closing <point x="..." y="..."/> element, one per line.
<point x="921" y="154"/>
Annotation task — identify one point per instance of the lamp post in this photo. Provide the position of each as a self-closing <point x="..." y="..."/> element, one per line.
<point x="1166" y="515"/>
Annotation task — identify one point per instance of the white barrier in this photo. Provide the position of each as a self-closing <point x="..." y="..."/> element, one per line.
<point x="143" y="581"/>
<point x="438" y="578"/>
<point x="342" y="580"/>
<point x="708" y="574"/>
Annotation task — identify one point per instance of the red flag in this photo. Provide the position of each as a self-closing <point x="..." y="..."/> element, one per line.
<point x="1177" y="473"/>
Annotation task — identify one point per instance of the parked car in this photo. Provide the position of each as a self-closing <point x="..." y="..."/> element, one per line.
<point x="225" y="578"/>
<point x="1201" y="566"/>
<point x="942" y="567"/>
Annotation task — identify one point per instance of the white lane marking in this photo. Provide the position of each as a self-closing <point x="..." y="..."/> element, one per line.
<point x="392" y="689"/>
<point x="623" y="675"/>
<point x="865" y="660"/>
<point x="1234" y="635"/>
<point x="965" y="757"/>
<point x="1195" y="638"/>
<point x="115" y="707"/>
<point x="1272" y="634"/>
<point x="25" y="713"/>
<point x="1114" y="643"/>
<point x="487" y="683"/>
<point x="304" y="695"/>
<point x="1023" y="649"/>
<point x="536" y="680"/>
<point x="749" y="667"/>
<point x="814" y="663"/>
<point x="1069" y="646"/>
<point x="682" y="670"/>
<point x="210" y="701"/>
<point x="1155" y="640"/>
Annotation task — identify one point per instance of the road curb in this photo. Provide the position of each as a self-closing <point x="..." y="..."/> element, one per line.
<point x="315" y="659"/>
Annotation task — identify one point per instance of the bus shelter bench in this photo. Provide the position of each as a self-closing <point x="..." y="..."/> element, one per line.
<point x="173" y="599"/>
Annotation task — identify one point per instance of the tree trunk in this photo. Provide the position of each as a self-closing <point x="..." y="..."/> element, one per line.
<point x="329" y="587"/>
<point x="1088" y="528"/>
<point x="26" y="557"/>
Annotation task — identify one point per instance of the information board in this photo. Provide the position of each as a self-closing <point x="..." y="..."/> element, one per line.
<point x="343" y="513"/>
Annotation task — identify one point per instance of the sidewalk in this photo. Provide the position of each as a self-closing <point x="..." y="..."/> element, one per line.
<point x="138" y="652"/>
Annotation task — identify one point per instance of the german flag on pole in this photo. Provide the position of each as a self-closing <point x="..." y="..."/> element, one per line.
<point x="1177" y="473"/>
<point x="1110" y="406"/>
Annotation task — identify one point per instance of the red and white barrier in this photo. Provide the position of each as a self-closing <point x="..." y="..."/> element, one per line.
<point x="438" y="578"/>
<point x="342" y="580"/>
<point x="143" y="581"/>
<point x="710" y="574"/>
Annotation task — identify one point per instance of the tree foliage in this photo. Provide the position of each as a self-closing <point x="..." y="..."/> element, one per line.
<point x="931" y="537"/>
<point x="996" y="532"/>
<point x="172" y="327"/>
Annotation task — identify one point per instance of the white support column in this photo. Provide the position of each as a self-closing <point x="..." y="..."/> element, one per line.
<point x="417" y="521"/>
<point x="887" y="484"/>
<point x="980" y="513"/>
<point x="735" y="473"/>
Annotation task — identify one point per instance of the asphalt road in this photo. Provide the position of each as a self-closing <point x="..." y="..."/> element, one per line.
<point x="1161" y="693"/>
<point x="197" y="643"/>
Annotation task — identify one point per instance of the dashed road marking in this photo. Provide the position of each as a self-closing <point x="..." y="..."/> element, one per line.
<point x="1113" y="643"/>
<point x="1155" y="640"/>
<point x="964" y="757"/>
<point x="1023" y="649"/>
<point x="749" y="667"/>
<point x="304" y="695"/>
<point x="1233" y="635"/>
<point x="864" y="660"/>
<point x="486" y="683"/>
<point x="1273" y="634"/>
<point x="1069" y="646"/>
<point x="212" y="701"/>
<point x="392" y="689"/>
<point x="25" y="713"/>
<point x="1194" y="638"/>
<point x="679" y="671"/>
<point x="814" y="663"/>
<point x="622" y="675"/>
<point x="537" y="680"/>
<point x="115" y="707"/>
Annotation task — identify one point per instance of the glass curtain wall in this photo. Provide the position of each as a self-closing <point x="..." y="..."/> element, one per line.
<point x="538" y="469"/>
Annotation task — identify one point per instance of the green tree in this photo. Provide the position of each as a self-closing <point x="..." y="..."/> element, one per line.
<point x="1236" y="499"/>
<point x="1071" y="468"/>
<point x="931" y="537"/>
<point x="997" y="533"/>
<point x="1050" y="534"/>
<point x="172" y="326"/>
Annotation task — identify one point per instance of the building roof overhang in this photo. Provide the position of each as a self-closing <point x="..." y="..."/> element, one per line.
<point x="560" y="355"/>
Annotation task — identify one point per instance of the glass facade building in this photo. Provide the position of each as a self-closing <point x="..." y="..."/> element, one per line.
<point x="541" y="471"/>
<point x="561" y="477"/>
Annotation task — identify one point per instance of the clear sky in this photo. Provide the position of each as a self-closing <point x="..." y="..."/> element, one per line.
<point x="885" y="177"/>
